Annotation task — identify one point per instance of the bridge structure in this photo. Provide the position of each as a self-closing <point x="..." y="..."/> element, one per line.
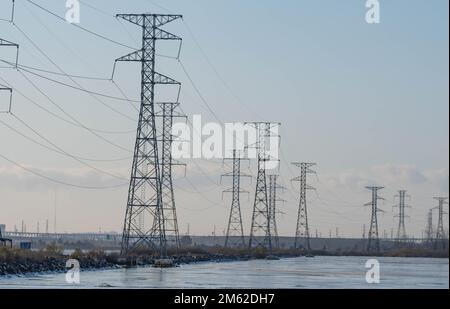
<point x="17" y="236"/>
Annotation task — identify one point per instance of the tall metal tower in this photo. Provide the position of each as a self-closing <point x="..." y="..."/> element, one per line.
<point x="440" y="234"/>
<point x="235" y="230"/>
<point x="401" y="230"/>
<point x="302" y="231"/>
<point x="260" y="229"/>
<point x="373" y="244"/>
<point x="429" y="230"/>
<point x="272" y="197"/>
<point x="168" y="113"/>
<point x="145" y="172"/>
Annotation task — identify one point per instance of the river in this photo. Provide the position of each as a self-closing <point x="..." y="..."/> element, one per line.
<point x="319" y="272"/>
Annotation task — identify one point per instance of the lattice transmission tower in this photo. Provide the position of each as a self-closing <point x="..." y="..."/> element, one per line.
<point x="373" y="244"/>
<point x="145" y="197"/>
<point x="235" y="231"/>
<point x="429" y="230"/>
<point x="273" y="210"/>
<point x="440" y="241"/>
<point x="401" y="230"/>
<point x="168" y="111"/>
<point x="260" y="229"/>
<point x="302" y="235"/>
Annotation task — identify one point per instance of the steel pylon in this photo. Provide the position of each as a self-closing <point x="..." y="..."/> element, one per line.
<point x="145" y="190"/>
<point x="235" y="230"/>
<point x="260" y="230"/>
<point x="302" y="235"/>
<point x="373" y="245"/>
<point x="168" y="113"/>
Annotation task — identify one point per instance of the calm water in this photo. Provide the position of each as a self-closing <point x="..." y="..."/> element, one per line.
<point x="318" y="272"/>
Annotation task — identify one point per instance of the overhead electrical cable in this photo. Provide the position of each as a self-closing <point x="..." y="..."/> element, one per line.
<point x="59" y="181"/>
<point x="75" y="124"/>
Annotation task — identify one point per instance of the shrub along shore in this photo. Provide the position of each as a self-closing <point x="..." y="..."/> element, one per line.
<point x="15" y="261"/>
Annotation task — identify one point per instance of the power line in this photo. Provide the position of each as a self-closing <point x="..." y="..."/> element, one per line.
<point x="75" y="124"/>
<point x="62" y="71"/>
<point x="59" y="181"/>
<point x="199" y="93"/>
<point x="55" y="73"/>
<point x="73" y="118"/>
<point x="56" y="150"/>
<point x="80" y="27"/>
<point x="83" y="90"/>
<point x="66" y="153"/>
<point x="209" y="62"/>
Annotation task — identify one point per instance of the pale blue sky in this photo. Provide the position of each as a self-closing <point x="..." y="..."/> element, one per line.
<point x="368" y="103"/>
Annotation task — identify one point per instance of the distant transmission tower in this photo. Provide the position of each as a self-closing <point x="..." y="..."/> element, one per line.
<point x="401" y="230"/>
<point x="145" y="172"/>
<point x="302" y="231"/>
<point x="168" y="113"/>
<point x="272" y="197"/>
<point x="235" y="230"/>
<point x="440" y="234"/>
<point x="373" y="239"/>
<point x="429" y="230"/>
<point x="260" y="229"/>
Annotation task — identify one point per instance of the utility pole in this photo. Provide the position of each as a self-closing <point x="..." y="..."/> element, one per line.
<point x="302" y="230"/>
<point x="168" y="113"/>
<point x="145" y="170"/>
<point x="273" y="187"/>
<point x="260" y="229"/>
<point x="401" y="231"/>
<point x="440" y="234"/>
<point x="374" y="241"/>
<point x="364" y="232"/>
<point x="235" y="229"/>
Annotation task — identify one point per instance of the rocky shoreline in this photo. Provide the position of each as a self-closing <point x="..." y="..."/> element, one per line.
<point x="21" y="262"/>
<point x="51" y="265"/>
<point x="52" y="260"/>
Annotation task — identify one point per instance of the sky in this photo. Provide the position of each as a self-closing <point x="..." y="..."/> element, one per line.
<point x="367" y="102"/>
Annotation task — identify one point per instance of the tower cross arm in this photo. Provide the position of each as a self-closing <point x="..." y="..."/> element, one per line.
<point x="160" y="19"/>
